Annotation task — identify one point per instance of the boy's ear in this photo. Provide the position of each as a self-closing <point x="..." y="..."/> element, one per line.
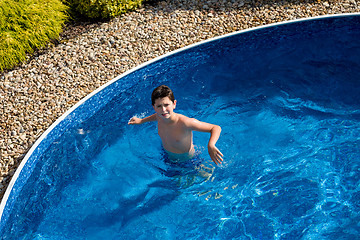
<point x="174" y="104"/>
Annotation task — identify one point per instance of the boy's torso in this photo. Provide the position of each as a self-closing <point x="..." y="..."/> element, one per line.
<point x="176" y="137"/>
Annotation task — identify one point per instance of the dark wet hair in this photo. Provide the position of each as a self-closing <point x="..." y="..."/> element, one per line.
<point x="161" y="92"/>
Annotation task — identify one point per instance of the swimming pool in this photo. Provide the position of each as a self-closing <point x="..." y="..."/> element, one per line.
<point x="287" y="99"/>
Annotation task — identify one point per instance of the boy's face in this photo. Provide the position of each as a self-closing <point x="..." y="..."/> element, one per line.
<point x="164" y="107"/>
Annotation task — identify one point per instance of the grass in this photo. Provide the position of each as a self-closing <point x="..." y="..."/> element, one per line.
<point x="26" y="25"/>
<point x="103" y="9"/>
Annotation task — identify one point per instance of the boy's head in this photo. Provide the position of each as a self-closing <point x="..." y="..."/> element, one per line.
<point x="162" y="92"/>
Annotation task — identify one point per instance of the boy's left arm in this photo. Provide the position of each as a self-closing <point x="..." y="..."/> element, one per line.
<point x="214" y="152"/>
<point x="215" y="131"/>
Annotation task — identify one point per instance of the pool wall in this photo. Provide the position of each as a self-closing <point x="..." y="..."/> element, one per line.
<point x="94" y="102"/>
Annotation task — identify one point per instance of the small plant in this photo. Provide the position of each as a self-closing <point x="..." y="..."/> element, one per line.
<point x="27" y="25"/>
<point x="102" y="9"/>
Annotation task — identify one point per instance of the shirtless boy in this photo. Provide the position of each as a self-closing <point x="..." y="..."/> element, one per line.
<point x="175" y="130"/>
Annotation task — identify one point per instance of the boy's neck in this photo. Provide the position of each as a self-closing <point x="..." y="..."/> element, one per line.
<point x="173" y="119"/>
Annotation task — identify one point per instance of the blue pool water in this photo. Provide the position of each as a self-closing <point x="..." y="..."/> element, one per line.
<point x="288" y="100"/>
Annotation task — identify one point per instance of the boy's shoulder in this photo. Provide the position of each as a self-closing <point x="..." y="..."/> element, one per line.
<point x="185" y="119"/>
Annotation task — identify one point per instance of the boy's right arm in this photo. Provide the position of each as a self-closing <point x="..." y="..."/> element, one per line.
<point x="136" y="120"/>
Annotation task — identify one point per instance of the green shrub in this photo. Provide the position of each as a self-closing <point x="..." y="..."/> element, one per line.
<point x="26" y="25"/>
<point x="102" y="9"/>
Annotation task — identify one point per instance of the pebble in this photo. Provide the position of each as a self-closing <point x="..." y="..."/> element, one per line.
<point x="88" y="55"/>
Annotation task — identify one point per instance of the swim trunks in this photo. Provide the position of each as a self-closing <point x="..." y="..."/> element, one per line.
<point x="180" y="157"/>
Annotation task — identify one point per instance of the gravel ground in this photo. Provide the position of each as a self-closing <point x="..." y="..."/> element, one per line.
<point x="88" y="55"/>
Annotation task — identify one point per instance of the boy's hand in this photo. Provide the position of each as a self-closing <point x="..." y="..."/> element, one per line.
<point x="134" y="120"/>
<point x="215" y="154"/>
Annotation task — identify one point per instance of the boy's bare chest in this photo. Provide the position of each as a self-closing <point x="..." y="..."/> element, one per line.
<point x="173" y="133"/>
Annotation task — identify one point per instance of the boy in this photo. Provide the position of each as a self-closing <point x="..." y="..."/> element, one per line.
<point x="175" y="130"/>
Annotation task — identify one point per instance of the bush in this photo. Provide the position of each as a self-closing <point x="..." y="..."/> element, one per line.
<point x="26" y="25"/>
<point x="102" y="9"/>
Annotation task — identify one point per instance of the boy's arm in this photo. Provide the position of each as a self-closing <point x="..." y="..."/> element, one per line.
<point x="215" y="131"/>
<point x="136" y="120"/>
